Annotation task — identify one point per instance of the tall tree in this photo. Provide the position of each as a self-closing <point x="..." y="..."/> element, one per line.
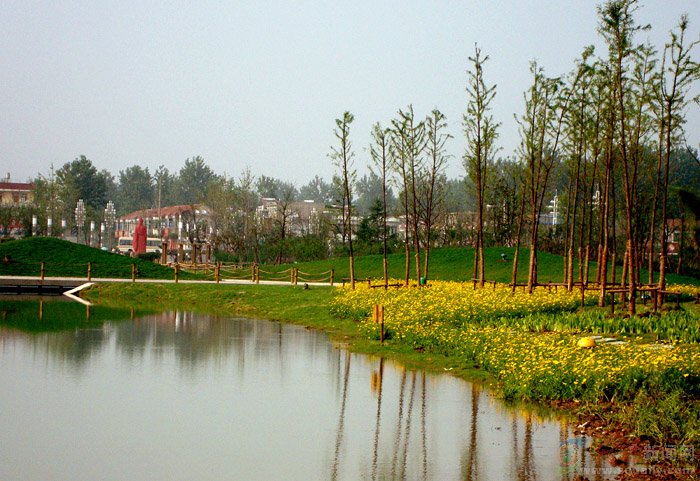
<point x="540" y="129"/>
<point x="193" y="180"/>
<point x="80" y="179"/>
<point x="47" y="203"/>
<point x="679" y="72"/>
<point x="381" y="151"/>
<point x="343" y="156"/>
<point x="135" y="189"/>
<point x="221" y="198"/>
<point x="282" y="221"/>
<point x="576" y="142"/>
<point x="410" y="146"/>
<point x="164" y="184"/>
<point x="433" y="179"/>
<point x="481" y="132"/>
<point x="617" y="26"/>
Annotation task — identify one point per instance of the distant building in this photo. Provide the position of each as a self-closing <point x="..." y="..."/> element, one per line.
<point x="172" y="223"/>
<point x="302" y="217"/>
<point x="15" y="193"/>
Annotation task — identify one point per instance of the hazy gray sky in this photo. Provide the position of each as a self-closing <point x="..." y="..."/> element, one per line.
<point x="259" y="83"/>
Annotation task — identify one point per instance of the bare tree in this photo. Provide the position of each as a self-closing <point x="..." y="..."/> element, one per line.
<point x="343" y="158"/>
<point x="576" y="144"/>
<point x="434" y="179"/>
<point x="481" y="132"/>
<point x="381" y="151"/>
<point x="679" y="71"/>
<point x="540" y="129"/>
<point x="410" y="141"/>
<point x="283" y="219"/>
<point x="617" y="28"/>
<point x="399" y="164"/>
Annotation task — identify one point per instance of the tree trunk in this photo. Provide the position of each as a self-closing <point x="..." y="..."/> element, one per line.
<point x="602" y="274"/>
<point x="516" y="254"/>
<point x="679" y="268"/>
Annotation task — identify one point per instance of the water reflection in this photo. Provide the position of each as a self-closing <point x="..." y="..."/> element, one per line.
<point x="186" y="396"/>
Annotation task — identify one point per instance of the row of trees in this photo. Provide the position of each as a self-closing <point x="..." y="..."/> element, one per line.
<point x="606" y="134"/>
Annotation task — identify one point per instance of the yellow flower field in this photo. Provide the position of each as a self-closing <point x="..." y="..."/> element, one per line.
<point x="500" y="331"/>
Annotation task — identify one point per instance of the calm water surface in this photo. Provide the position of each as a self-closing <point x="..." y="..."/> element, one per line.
<point x="181" y="396"/>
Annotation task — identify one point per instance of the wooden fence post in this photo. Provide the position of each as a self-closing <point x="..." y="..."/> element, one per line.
<point x="42" y="271"/>
<point x="133" y="272"/>
<point x="378" y="318"/>
<point x="177" y="273"/>
<point x="332" y="276"/>
<point x="89" y="277"/>
<point x="612" y="303"/>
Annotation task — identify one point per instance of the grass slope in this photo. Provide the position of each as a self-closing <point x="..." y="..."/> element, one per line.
<point x="67" y="259"/>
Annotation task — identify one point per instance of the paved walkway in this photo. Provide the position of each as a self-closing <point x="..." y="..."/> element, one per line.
<point x="77" y="284"/>
<point x="77" y="281"/>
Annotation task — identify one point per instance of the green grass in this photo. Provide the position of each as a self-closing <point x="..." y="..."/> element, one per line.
<point x="67" y="259"/>
<point x="457" y="264"/>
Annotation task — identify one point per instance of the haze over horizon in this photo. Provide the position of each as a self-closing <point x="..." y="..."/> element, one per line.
<point x="260" y="84"/>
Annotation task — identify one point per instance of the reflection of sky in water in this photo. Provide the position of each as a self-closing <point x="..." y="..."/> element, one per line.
<point x="182" y="396"/>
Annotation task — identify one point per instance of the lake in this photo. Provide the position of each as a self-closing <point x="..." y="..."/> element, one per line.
<point x="183" y="396"/>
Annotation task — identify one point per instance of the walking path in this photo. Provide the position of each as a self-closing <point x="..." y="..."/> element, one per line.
<point x="76" y="284"/>
<point x="76" y="281"/>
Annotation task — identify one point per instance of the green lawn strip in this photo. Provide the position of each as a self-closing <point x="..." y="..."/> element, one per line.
<point x="68" y="259"/>
<point x="457" y="264"/>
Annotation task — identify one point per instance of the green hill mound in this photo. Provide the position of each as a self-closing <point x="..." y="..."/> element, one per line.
<point x="67" y="259"/>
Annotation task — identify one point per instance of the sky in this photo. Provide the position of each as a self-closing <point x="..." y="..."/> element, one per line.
<point x="258" y="84"/>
